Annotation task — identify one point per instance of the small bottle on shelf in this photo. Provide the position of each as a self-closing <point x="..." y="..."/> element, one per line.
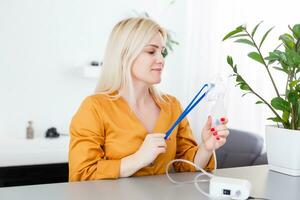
<point x="29" y="130"/>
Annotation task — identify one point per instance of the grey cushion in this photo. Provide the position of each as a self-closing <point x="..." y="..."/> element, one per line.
<point x="241" y="149"/>
<point x="261" y="160"/>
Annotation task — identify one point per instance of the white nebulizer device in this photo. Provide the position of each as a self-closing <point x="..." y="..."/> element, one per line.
<point x="231" y="188"/>
<point x="219" y="187"/>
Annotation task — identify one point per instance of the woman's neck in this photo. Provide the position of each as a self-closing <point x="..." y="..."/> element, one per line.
<point x="141" y="96"/>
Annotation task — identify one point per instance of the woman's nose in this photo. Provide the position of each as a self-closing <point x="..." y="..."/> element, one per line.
<point x="160" y="58"/>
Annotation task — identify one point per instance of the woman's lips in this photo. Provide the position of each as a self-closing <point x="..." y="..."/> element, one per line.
<point x="157" y="69"/>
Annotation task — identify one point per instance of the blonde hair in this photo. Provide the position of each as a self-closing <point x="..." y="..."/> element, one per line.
<point x="125" y="43"/>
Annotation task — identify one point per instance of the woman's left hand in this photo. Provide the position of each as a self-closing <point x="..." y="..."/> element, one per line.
<point x="214" y="137"/>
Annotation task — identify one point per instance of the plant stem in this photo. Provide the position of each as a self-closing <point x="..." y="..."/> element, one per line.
<point x="294" y="109"/>
<point x="286" y="87"/>
<point x="297" y="43"/>
<point x="272" y="109"/>
<point x="293" y="118"/>
<point x="261" y="98"/>
<point x="265" y="64"/>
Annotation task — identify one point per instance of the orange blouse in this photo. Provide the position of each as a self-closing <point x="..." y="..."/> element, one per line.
<point x="103" y="131"/>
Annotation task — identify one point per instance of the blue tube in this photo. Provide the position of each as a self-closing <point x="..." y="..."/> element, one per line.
<point x="190" y="107"/>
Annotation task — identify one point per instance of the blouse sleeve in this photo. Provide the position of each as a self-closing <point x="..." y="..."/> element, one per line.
<point x="86" y="153"/>
<point x="187" y="147"/>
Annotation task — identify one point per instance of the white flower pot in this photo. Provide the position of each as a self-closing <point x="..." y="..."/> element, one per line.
<point x="283" y="150"/>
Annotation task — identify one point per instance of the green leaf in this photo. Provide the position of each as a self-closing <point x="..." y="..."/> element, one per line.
<point x="235" y="68"/>
<point x="280" y="104"/>
<point x="240" y="35"/>
<point x="275" y="119"/>
<point x="169" y="46"/>
<point x="294" y="83"/>
<point x="237" y="30"/>
<point x="259" y="102"/>
<point x="287" y="40"/>
<point x="296" y="31"/>
<point x="292" y="57"/>
<point x="298" y="89"/>
<point x="244" y="86"/>
<point x="256" y="56"/>
<point x="283" y="70"/>
<point x="245" y="41"/>
<point x="255" y="28"/>
<point x="264" y="37"/>
<point x="229" y="60"/>
<point x="285" y="116"/>
<point x="174" y="42"/>
<point x="274" y="56"/>
<point x="239" y="79"/>
<point x="246" y="94"/>
<point x="165" y="52"/>
<point x="292" y="97"/>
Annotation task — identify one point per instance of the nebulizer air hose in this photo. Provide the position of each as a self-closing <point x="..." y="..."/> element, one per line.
<point x="214" y="93"/>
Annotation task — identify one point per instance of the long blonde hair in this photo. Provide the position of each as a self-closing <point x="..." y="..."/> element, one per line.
<point x="125" y="43"/>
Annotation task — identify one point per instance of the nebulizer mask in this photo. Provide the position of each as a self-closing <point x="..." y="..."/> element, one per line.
<point x="216" y="99"/>
<point x="219" y="187"/>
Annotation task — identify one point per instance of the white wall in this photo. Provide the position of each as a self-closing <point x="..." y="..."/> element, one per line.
<point x="44" y="45"/>
<point x="207" y="24"/>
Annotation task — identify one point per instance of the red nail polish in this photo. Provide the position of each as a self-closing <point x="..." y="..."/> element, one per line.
<point x="218" y="138"/>
<point x="214" y="133"/>
<point x="212" y="129"/>
<point x="222" y="119"/>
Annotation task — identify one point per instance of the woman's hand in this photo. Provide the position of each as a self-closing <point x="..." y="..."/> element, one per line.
<point x="214" y="137"/>
<point x="153" y="145"/>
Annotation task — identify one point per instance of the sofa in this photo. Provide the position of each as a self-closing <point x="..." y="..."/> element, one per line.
<point x="241" y="149"/>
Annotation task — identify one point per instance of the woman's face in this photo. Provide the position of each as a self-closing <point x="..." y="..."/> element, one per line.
<point x="148" y="66"/>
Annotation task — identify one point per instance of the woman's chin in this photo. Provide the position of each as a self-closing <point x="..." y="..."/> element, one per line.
<point x="154" y="81"/>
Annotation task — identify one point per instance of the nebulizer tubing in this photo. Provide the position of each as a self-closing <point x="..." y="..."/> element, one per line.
<point x="196" y="179"/>
<point x="191" y="105"/>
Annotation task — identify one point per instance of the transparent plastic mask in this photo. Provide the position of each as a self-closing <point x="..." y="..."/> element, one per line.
<point x="216" y="98"/>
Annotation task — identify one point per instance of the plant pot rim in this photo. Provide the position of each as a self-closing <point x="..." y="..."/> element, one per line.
<point x="281" y="127"/>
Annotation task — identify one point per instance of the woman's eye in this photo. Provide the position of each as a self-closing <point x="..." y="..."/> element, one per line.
<point x="151" y="52"/>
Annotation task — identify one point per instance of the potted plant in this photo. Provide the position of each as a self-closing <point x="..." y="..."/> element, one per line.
<point x="283" y="139"/>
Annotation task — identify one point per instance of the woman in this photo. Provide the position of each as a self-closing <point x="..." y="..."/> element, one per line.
<point x="119" y="132"/>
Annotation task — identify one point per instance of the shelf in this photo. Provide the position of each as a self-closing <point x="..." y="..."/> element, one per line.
<point x="37" y="151"/>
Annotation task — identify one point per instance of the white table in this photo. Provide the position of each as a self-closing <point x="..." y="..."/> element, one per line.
<point x="265" y="183"/>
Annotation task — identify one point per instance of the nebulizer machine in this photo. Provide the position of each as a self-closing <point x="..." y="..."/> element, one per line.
<point x="219" y="187"/>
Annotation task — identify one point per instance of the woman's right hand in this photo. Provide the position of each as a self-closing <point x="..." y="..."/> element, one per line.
<point x="153" y="145"/>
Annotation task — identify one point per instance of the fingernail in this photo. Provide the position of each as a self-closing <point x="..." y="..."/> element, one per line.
<point x="215" y="133"/>
<point x="218" y="138"/>
<point x="222" y="119"/>
<point x="212" y="129"/>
